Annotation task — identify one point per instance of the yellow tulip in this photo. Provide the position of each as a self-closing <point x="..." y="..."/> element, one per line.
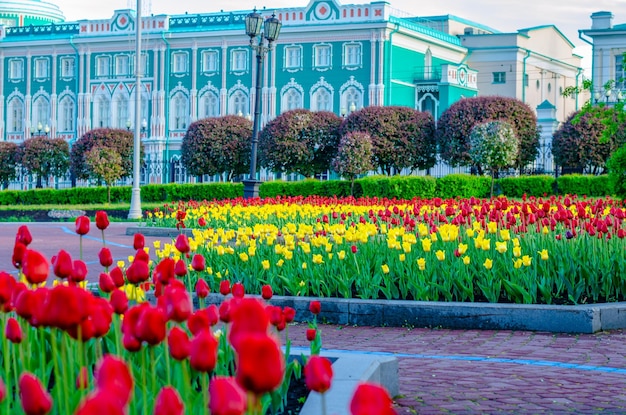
<point x="505" y="234"/>
<point x="304" y="265"/>
<point x="492" y="227"/>
<point x="469" y="232"/>
<point x="341" y="254"/>
<point x="156" y="244"/>
<point x="515" y="241"/>
<point x="462" y="249"/>
<point x="488" y="263"/>
<point x="330" y="255"/>
<point x="441" y="255"/>
<point x="266" y="264"/>
<point x="121" y="264"/>
<point x="526" y="260"/>
<point x="280" y="262"/>
<point x="517" y="263"/>
<point x="220" y="250"/>
<point x="433" y="237"/>
<point x="243" y="256"/>
<point x="402" y="257"/>
<point x="422" y="229"/>
<point x="421" y="264"/>
<point x="501" y="247"/>
<point x="317" y="259"/>
<point x="288" y="254"/>
<point x="486" y="245"/>
<point x="426" y="244"/>
<point x="406" y="247"/>
<point x="544" y="254"/>
<point x="466" y="260"/>
<point x="517" y="251"/>
<point x="385" y="268"/>
<point x="545" y="230"/>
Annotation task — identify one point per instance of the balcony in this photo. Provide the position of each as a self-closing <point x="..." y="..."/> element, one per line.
<point x="426" y="75"/>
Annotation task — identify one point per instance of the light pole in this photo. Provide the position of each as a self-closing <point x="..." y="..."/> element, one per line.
<point x="40" y="130"/>
<point x="135" y="198"/>
<point x="258" y="28"/>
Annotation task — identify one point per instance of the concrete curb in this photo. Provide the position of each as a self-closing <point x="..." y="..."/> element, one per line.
<point x="349" y="369"/>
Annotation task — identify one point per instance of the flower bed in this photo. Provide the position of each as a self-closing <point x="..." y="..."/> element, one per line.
<point x="68" y="351"/>
<point x="556" y="250"/>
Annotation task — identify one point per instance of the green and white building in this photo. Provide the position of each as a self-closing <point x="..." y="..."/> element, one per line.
<point x="76" y="76"/>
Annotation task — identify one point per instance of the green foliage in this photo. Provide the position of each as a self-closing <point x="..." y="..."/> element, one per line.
<point x="121" y="141"/>
<point x="463" y="185"/>
<point x="399" y="187"/>
<point x="578" y="144"/>
<point x="45" y="157"/>
<point x="584" y="185"/>
<point x="354" y="156"/>
<point x="218" y="145"/>
<point x="106" y="165"/>
<point x="300" y="141"/>
<point x="8" y="161"/>
<point x="526" y="185"/>
<point x="617" y="172"/>
<point x="456" y="123"/>
<point x="493" y="145"/>
<point x="402" y="137"/>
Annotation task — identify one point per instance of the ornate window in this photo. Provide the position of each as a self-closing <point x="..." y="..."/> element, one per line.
<point x="179" y="110"/>
<point x="352" y="55"/>
<point x="15" y="115"/>
<point x="101" y="111"/>
<point x="120" y="111"/>
<point x="41" y="111"/>
<point x="67" y="67"/>
<point x="322" y="57"/>
<point x="103" y="66"/>
<point x="210" y="59"/>
<point x="122" y="65"/>
<point x="209" y="105"/>
<point x="179" y="62"/>
<point x="16" y="69"/>
<point x="239" y="60"/>
<point x="66" y="114"/>
<point x="41" y="68"/>
<point x="293" y="57"/>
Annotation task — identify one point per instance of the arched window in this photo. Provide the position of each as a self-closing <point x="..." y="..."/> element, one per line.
<point x="41" y="111"/>
<point x="239" y="103"/>
<point x="292" y="99"/>
<point x="120" y="111"/>
<point x="15" y="116"/>
<point x="66" y="114"/>
<point x="101" y="112"/>
<point x="352" y="99"/>
<point x="428" y="65"/>
<point x="179" y="111"/>
<point x="322" y="100"/>
<point x="209" y="105"/>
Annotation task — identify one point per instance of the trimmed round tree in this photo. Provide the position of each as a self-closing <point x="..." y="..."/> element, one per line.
<point x="45" y="157"/>
<point x="8" y="162"/>
<point x="456" y="123"/>
<point x="578" y="145"/>
<point x="300" y="141"/>
<point x="494" y="146"/>
<point x="218" y="145"/>
<point x="118" y="140"/>
<point x="105" y="164"/>
<point x="354" y="156"/>
<point x="402" y="137"/>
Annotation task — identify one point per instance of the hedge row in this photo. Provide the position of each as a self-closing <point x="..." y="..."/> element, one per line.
<point x="401" y="187"/>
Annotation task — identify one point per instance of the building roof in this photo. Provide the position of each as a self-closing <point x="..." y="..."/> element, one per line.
<point x="15" y="13"/>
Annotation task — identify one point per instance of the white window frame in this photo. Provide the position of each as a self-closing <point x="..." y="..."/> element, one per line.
<point x="320" y="97"/>
<point x="103" y="66"/>
<point x="41" y="111"/>
<point x="210" y="61"/>
<point x="121" y="112"/>
<point x="292" y="99"/>
<point x="15" y="116"/>
<point x="179" y="63"/>
<point x="66" y="114"/>
<point x="352" y="55"/>
<point x="122" y="65"/>
<point x="292" y="58"/>
<point x="239" y="60"/>
<point x="179" y="111"/>
<point x="239" y="103"/>
<point x="499" y="77"/>
<point x="101" y="112"/>
<point x="67" y="67"/>
<point x="16" y="69"/>
<point x="322" y="61"/>
<point x="41" y="68"/>
<point x="209" y="105"/>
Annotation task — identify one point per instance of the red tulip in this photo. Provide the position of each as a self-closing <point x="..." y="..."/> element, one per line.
<point x="180" y="268"/>
<point x="23" y="235"/>
<point x="202" y="288"/>
<point x="3" y="391"/>
<point x="168" y="402"/>
<point x="105" y="257"/>
<point x="249" y="317"/>
<point x="119" y="301"/>
<point x="203" y="319"/>
<point x="266" y="292"/>
<point x="112" y="374"/>
<point x="260" y="363"/>
<point x="101" y="315"/>
<point x="117" y="275"/>
<point x="82" y="380"/>
<point x="35" y="267"/>
<point x="203" y="352"/>
<point x="13" y="331"/>
<point x="178" y="343"/>
<point x="102" y="220"/>
<point x="318" y="374"/>
<point x="139" y="241"/>
<point x="82" y="225"/>
<point x="198" y="263"/>
<point x="178" y="306"/>
<point x="66" y="306"/>
<point x="238" y="290"/>
<point x="354" y="249"/>
<point x="371" y="399"/>
<point x="131" y="343"/>
<point x="182" y="243"/>
<point x="79" y="271"/>
<point x="138" y="272"/>
<point x="35" y="399"/>
<point x="142" y="255"/>
<point x="227" y="397"/>
<point x="201" y="222"/>
<point x="100" y="402"/>
<point x="164" y="270"/>
<point x="315" y="307"/>
<point x="289" y="313"/>
<point x="7" y="284"/>
<point x="62" y="264"/>
<point x="150" y="326"/>
<point x="225" y="287"/>
<point x="19" y="249"/>
<point x="311" y="334"/>
<point x="105" y="283"/>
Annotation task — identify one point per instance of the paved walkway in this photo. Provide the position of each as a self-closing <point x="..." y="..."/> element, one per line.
<point x="441" y="371"/>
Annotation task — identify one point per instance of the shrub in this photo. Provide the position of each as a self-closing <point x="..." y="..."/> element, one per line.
<point x="121" y="141"/>
<point x="399" y="187"/>
<point x="45" y="157"/>
<point x="526" y="185"/>
<point x="617" y="172"/>
<point x="462" y="185"/>
<point x="8" y="162"/>
<point x="456" y="123"/>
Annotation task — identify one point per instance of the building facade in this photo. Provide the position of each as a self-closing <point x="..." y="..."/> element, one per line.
<point x="68" y="78"/>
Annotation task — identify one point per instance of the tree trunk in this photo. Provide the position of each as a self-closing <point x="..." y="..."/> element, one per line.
<point x="108" y="195"/>
<point x="39" y="184"/>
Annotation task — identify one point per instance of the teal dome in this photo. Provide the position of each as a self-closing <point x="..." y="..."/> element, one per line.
<point x="29" y="12"/>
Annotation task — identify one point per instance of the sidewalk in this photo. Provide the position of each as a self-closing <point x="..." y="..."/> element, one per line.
<point x="440" y="371"/>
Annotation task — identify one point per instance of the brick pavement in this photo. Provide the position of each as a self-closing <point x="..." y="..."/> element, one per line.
<point x="440" y="371"/>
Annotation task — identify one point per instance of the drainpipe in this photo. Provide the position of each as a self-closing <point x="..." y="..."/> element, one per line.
<point x="166" y="105"/>
<point x="388" y="56"/>
<point x="76" y="69"/>
<point x="578" y="73"/>
<point x="524" y="75"/>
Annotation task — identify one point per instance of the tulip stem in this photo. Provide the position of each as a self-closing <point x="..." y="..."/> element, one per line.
<point x="186" y="380"/>
<point x="204" y="381"/>
<point x="42" y="351"/>
<point x="153" y="371"/>
<point x="16" y="371"/>
<point x="55" y="365"/>
<point x="144" y="388"/>
<point x="168" y="375"/>
<point x="323" y="395"/>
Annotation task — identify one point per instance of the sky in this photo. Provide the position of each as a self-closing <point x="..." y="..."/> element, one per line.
<point x="504" y="15"/>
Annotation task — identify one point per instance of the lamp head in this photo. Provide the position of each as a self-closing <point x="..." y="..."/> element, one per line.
<point x="272" y="28"/>
<point x="254" y="24"/>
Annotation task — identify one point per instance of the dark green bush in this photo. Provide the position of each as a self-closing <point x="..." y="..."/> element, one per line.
<point x="583" y="185"/>
<point x="401" y="187"/>
<point x="529" y="185"/>
<point x="617" y="172"/>
<point x="463" y="185"/>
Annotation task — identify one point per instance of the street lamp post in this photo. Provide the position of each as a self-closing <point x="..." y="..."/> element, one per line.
<point x="135" y="198"/>
<point x="259" y="30"/>
<point x="41" y="130"/>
